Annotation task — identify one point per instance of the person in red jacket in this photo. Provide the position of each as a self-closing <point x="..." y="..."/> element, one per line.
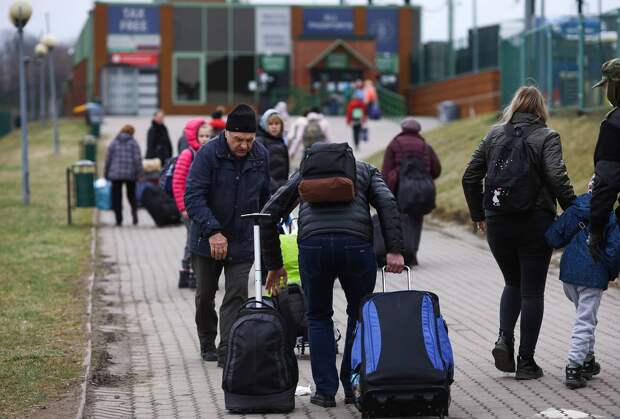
<point x="407" y="143"/>
<point x="197" y="132"/>
<point x="357" y="117"/>
<point x="218" y="122"/>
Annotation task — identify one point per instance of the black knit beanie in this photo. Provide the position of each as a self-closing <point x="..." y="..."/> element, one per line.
<point x="241" y="119"/>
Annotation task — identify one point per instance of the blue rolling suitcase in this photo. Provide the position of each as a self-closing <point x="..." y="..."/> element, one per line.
<point x="402" y="359"/>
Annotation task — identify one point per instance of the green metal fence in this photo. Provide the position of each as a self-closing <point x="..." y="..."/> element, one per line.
<point x="548" y="57"/>
<point x="392" y="104"/>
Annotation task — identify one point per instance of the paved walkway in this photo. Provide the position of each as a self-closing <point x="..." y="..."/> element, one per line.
<point x="154" y="368"/>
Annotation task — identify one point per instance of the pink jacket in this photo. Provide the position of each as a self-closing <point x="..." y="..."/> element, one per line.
<point x="184" y="161"/>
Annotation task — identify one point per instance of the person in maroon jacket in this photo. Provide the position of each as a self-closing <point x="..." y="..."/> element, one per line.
<point x="409" y="142"/>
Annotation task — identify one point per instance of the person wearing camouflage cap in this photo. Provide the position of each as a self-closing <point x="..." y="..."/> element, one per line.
<point x="606" y="160"/>
<point x="611" y="80"/>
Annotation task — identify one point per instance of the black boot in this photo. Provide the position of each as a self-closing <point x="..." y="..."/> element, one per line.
<point x="322" y="400"/>
<point x="134" y="217"/>
<point x="574" y="377"/>
<point x="504" y="353"/>
<point x="208" y="352"/>
<point x="183" y="279"/>
<point x="527" y="369"/>
<point x="590" y="367"/>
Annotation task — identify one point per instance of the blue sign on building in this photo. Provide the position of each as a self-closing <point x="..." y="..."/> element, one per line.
<point x="133" y="20"/>
<point x="383" y="24"/>
<point x="328" y="21"/>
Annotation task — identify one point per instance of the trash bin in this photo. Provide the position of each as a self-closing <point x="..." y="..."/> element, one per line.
<point x="88" y="148"/>
<point x="95" y="129"/>
<point x="83" y="183"/>
<point x="448" y="111"/>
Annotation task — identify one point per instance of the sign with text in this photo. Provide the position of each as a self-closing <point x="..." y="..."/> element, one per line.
<point x="273" y="30"/>
<point x="328" y="21"/>
<point x="135" y="59"/>
<point x="383" y="24"/>
<point x="133" y="20"/>
<point x="133" y="27"/>
<point x="273" y="63"/>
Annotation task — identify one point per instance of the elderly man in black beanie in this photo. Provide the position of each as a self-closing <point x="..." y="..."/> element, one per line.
<point x="228" y="177"/>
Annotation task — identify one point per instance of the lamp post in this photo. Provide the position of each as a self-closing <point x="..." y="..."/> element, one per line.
<point x="41" y="51"/>
<point x="28" y="70"/>
<point x="20" y="13"/>
<point x="50" y="42"/>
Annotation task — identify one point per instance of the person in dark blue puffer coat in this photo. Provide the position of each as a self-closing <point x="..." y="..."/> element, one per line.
<point x="584" y="281"/>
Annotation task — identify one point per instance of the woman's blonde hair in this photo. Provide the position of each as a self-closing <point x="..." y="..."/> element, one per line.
<point x="527" y="99"/>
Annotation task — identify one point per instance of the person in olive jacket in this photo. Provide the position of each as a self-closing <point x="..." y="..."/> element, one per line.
<point x="335" y="240"/>
<point x="158" y="143"/>
<point x="229" y="176"/>
<point x="270" y="134"/>
<point x="517" y="239"/>
<point x="606" y="161"/>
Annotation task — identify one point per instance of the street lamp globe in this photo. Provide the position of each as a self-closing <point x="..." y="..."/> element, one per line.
<point x="49" y="41"/>
<point x="40" y="50"/>
<point x="20" y="13"/>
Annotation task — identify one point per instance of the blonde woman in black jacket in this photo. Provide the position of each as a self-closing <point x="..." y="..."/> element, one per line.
<point x="516" y="232"/>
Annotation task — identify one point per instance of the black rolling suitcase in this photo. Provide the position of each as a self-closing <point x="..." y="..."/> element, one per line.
<point x="401" y="371"/>
<point x="161" y="207"/>
<point x="261" y="373"/>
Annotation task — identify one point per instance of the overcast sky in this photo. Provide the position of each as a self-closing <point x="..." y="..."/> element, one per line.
<point x="68" y="16"/>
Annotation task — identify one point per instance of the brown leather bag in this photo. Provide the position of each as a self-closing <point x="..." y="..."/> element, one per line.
<point x="332" y="189"/>
<point x="328" y="174"/>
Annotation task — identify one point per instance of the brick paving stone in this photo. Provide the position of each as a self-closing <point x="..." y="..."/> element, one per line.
<point x="170" y="380"/>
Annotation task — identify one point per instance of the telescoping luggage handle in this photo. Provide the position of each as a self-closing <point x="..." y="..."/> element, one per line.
<point x="258" y="276"/>
<point x="407" y="268"/>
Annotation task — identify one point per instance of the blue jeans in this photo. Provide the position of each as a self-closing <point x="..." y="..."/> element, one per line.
<point x="322" y="258"/>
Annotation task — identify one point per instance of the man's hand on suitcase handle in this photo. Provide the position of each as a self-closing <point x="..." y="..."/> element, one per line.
<point x="395" y="263"/>
<point x="219" y="246"/>
<point x="275" y="278"/>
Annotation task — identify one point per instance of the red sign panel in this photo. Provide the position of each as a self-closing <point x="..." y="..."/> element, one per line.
<point x="136" y="59"/>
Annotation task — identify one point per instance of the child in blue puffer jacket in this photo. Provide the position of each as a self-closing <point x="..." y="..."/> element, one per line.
<point x="584" y="282"/>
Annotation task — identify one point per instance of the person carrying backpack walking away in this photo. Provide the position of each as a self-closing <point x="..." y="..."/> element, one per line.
<point x="357" y="117"/>
<point x="309" y="129"/>
<point x="229" y="176"/>
<point x="197" y="132"/>
<point x="123" y="165"/>
<point x="584" y="280"/>
<point x="512" y="183"/>
<point x="334" y="192"/>
<point x="408" y="154"/>
<point x="270" y="134"/>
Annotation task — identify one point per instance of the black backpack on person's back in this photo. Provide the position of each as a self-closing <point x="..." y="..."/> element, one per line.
<point x="416" y="187"/>
<point x="328" y="174"/>
<point x="513" y="181"/>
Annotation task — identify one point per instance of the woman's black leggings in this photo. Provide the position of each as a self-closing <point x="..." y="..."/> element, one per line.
<point x="519" y="247"/>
